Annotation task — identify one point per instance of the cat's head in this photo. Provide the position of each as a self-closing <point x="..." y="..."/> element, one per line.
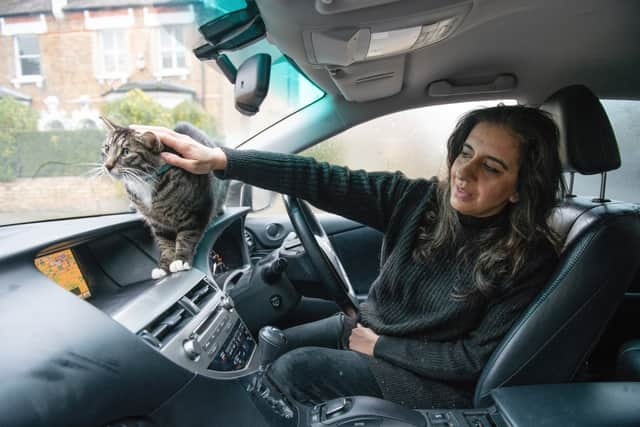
<point x="130" y="154"/>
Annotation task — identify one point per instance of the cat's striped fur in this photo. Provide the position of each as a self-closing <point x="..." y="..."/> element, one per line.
<point x="176" y="204"/>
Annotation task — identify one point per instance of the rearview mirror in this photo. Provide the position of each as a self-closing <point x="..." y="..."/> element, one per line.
<point x="252" y="83"/>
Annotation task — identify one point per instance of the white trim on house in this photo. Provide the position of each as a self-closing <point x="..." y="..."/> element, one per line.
<point x="152" y="19"/>
<point x="37" y="25"/>
<point x="108" y="22"/>
<point x="121" y="71"/>
<point x="22" y="79"/>
<point x="176" y="47"/>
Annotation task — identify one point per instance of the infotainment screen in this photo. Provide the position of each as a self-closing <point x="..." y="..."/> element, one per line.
<point x="62" y="268"/>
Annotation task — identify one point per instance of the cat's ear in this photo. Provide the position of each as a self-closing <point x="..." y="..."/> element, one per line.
<point x="112" y="126"/>
<point x="151" y="141"/>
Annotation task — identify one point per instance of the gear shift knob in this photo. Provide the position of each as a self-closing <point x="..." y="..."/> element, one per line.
<point x="272" y="344"/>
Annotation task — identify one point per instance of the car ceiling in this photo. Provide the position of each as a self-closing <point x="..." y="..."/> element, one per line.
<point x="545" y="44"/>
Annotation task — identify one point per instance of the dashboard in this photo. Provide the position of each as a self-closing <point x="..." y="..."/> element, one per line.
<point x="80" y="314"/>
<point x="188" y="317"/>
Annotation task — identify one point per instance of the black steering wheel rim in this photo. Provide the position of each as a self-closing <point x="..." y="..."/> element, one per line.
<point x="322" y="254"/>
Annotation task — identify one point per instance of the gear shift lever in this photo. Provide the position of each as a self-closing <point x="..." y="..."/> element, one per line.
<point x="272" y="343"/>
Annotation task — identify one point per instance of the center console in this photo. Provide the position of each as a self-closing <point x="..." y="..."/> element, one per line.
<point x="579" y="404"/>
<point x="362" y="411"/>
<point x="188" y="319"/>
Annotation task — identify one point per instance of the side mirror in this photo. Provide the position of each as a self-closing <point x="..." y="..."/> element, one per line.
<point x="252" y="83"/>
<point x="261" y="199"/>
<point x="241" y="194"/>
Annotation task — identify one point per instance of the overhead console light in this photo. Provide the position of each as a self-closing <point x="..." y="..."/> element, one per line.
<point x="347" y="46"/>
<point x="389" y="42"/>
<point x="396" y="41"/>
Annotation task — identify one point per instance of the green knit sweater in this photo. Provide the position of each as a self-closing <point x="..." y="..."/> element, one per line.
<point x="432" y="347"/>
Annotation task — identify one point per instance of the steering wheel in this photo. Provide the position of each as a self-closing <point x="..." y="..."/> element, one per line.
<point x="322" y="255"/>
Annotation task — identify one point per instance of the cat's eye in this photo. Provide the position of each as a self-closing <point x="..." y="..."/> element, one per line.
<point x="125" y="151"/>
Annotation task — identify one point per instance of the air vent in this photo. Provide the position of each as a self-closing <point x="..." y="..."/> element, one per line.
<point x="158" y="332"/>
<point x="201" y="293"/>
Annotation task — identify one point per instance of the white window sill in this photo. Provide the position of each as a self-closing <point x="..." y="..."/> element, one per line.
<point x="102" y="78"/>
<point x="25" y="80"/>
<point x="173" y="72"/>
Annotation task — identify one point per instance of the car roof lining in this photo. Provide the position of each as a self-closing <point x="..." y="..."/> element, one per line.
<point x="546" y="44"/>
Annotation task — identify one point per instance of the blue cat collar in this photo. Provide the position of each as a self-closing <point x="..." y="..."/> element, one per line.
<point x="159" y="172"/>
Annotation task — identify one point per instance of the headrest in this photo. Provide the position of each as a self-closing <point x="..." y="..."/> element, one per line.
<point x="587" y="142"/>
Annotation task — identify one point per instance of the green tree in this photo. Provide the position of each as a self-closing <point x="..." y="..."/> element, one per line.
<point x="137" y="107"/>
<point x="14" y="117"/>
<point x="189" y="111"/>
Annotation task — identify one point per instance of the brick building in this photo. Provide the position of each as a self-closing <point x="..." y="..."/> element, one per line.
<point x="68" y="56"/>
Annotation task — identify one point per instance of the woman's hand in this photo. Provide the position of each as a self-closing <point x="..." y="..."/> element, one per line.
<point x="196" y="158"/>
<point x="363" y="340"/>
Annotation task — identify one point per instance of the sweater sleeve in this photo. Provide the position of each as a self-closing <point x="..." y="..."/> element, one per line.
<point x="463" y="360"/>
<point x="366" y="197"/>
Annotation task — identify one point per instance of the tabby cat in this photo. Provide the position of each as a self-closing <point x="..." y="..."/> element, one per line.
<point x="176" y="204"/>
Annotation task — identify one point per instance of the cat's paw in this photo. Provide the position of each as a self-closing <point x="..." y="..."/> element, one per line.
<point x="178" y="265"/>
<point x="158" y="273"/>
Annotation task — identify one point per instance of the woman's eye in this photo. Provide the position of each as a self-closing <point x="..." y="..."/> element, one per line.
<point x="465" y="154"/>
<point x="490" y="169"/>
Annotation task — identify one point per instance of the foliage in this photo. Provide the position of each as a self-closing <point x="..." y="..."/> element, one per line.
<point x="189" y="111"/>
<point x="139" y="108"/>
<point x="7" y="156"/>
<point x="57" y="153"/>
<point x="14" y="117"/>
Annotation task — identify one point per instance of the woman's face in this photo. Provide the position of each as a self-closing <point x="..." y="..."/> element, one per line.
<point x="484" y="176"/>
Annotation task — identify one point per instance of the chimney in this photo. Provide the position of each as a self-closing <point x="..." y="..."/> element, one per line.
<point x="56" y="8"/>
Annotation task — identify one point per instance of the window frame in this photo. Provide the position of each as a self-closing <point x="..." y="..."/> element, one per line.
<point x="20" y="76"/>
<point x="176" y="48"/>
<point x="117" y="51"/>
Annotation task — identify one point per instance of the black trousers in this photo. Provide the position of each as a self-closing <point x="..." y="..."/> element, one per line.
<point x="318" y="365"/>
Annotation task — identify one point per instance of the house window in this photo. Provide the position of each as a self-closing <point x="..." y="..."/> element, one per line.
<point x="114" y="52"/>
<point x="172" y="51"/>
<point x="28" y="55"/>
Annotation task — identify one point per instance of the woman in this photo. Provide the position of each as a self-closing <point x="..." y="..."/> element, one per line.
<point x="460" y="260"/>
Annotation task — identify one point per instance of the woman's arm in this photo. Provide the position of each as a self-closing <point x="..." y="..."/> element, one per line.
<point x="365" y="197"/>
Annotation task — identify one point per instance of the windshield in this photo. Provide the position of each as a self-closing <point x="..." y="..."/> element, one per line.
<point x="68" y="63"/>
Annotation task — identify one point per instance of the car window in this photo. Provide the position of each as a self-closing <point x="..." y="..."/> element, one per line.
<point x="412" y="141"/>
<point x="71" y="64"/>
<point x="622" y="183"/>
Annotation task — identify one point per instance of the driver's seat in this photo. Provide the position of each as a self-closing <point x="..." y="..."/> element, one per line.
<point x="601" y="256"/>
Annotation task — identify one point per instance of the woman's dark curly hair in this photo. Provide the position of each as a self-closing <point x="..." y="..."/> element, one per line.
<point x="501" y="252"/>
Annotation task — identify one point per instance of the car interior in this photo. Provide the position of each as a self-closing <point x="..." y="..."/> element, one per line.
<point x="191" y="349"/>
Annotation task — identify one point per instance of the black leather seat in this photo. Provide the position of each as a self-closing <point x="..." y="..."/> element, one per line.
<point x="601" y="256"/>
<point x="628" y="366"/>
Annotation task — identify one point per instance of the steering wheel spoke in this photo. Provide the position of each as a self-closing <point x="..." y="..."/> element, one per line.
<point x="322" y="254"/>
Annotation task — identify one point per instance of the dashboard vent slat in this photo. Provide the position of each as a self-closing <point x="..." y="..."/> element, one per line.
<point x="158" y="332"/>
<point x="201" y="293"/>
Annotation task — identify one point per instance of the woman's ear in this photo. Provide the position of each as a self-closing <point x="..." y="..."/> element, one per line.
<point x="151" y="141"/>
<point x="515" y="198"/>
